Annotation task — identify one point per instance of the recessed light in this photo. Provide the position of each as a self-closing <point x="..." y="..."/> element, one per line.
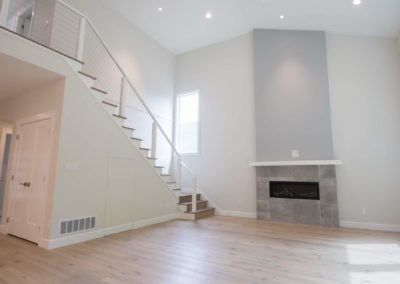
<point x="282" y="17"/>
<point x="209" y="15"/>
<point x="160" y="9"/>
<point x="357" y="2"/>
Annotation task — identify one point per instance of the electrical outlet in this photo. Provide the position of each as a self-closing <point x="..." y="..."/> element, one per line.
<point x="364" y="212"/>
<point x="295" y="153"/>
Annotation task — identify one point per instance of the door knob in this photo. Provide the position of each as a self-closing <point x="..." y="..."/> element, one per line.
<point x="26" y="184"/>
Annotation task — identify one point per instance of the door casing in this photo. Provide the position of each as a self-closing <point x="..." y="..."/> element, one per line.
<point x="12" y="169"/>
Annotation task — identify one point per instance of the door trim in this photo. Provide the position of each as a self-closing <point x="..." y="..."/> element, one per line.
<point x="14" y="147"/>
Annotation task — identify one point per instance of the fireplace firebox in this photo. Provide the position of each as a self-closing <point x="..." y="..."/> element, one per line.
<point x="294" y="190"/>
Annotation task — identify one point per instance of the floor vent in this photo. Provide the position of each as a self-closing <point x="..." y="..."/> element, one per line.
<point x="77" y="225"/>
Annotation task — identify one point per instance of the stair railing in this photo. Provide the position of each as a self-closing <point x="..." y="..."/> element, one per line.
<point x="67" y="31"/>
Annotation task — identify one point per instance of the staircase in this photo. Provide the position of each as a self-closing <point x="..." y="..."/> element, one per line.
<point x="185" y="199"/>
<point x="96" y="66"/>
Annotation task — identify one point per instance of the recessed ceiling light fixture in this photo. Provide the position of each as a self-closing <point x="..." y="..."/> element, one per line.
<point x="209" y="15"/>
<point x="357" y="2"/>
<point x="282" y="17"/>
<point x="160" y="9"/>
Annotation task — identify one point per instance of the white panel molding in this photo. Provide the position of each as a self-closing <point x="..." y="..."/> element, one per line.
<point x="70" y="240"/>
<point x="370" y="226"/>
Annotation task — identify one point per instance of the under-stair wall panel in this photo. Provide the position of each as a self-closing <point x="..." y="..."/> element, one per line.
<point x="120" y="193"/>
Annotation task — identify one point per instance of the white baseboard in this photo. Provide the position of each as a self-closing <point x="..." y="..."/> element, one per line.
<point x="240" y="214"/>
<point x="370" y="226"/>
<point x="118" y="229"/>
<point x="153" y="221"/>
<point x="87" y="236"/>
<point x="70" y="240"/>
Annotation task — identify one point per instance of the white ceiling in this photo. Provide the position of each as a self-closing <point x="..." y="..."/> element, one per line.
<point x="182" y="27"/>
<point x="17" y="77"/>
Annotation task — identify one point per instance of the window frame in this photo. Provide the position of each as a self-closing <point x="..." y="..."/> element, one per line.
<point x="177" y="112"/>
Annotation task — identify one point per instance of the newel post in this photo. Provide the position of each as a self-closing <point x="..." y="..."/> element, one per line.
<point x="81" y="42"/>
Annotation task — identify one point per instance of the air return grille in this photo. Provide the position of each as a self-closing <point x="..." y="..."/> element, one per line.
<point x="77" y="225"/>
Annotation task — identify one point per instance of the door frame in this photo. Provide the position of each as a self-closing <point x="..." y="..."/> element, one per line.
<point x="13" y="159"/>
<point x="5" y="129"/>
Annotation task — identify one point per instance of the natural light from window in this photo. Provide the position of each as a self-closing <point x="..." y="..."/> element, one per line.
<point x="187" y="123"/>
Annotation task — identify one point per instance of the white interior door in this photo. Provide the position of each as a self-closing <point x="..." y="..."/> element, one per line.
<point x="30" y="170"/>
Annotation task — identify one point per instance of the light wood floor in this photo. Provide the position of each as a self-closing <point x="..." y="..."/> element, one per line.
<point x="214" y="250"/>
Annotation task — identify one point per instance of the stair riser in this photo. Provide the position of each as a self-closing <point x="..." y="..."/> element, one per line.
<point x="99" y="96"/>
<point x="173" y="186"/>
<point x="188" y="208"/>
<point x="205" y="214"/>
<point x="185" y="199"/>
<point x="119" y="120"/>
<point x="144" y="152"/>
<point x="128" y="132"/>
<point x="152" y="162"/>
<point x="110" y="109"/>
<point x="88" y="81"/>
<point x="137" y="142"/>
<point x="166" y="178"/>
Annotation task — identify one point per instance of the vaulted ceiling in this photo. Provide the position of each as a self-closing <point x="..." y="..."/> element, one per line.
<point x="181" y="25"/>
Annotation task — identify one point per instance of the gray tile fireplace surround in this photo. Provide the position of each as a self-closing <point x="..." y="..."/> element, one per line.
<point x="314" y="212"/>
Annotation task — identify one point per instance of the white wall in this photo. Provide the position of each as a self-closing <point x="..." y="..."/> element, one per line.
<point x="365" y="101"/>
<point x="223" y="74"/>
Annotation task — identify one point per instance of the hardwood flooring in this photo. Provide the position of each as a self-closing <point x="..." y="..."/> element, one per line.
<point x="213" y="250"/>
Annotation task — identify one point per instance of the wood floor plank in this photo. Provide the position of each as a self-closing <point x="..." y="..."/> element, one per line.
<point x="219" y="250"/>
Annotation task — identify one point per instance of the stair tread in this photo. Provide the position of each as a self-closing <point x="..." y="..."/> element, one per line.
<point x="158" y="167"/>
<point x="110" y="104"/>
<point x="187" y="194"/>
<point x="138" y="139"/>
<point x="119" y="116"/>
<point x="87" y="75"/>
<point x="130" y="128"/>
<point x="99" y="90"/>
<point x="201" y="210"/>
<point x="147" y="149"/>
<point x="190" y="203"/>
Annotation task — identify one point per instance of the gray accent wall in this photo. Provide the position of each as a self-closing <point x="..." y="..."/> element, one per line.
<point x="292" y="95"/>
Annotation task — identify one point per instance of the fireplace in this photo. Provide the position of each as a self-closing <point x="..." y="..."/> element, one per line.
<point x="294" y="190"/>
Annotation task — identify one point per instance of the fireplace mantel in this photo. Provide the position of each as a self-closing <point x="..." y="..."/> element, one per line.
<point x="296" y="163"/>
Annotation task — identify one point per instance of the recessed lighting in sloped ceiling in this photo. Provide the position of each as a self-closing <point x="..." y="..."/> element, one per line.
<point x="208" y="15"/>
<point x="357" y="2"/>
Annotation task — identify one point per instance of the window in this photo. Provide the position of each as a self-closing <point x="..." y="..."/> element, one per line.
<point x="187" y="123"/>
